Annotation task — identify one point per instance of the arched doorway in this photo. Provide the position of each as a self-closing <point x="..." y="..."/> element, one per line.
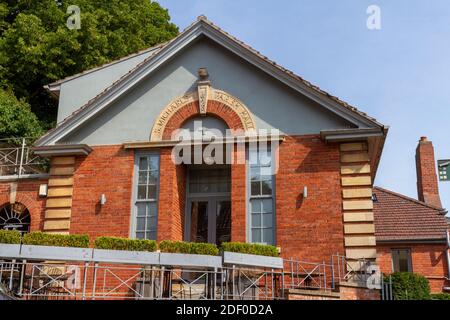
<point x="15" y="217"/>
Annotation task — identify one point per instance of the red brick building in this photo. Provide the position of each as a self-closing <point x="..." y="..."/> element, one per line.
<point x="304" y="161"/>
<point x="412" y="234"/>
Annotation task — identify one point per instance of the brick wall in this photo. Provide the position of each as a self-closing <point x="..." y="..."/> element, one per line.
<point x="310" y="229"/>
<point x="28" y="195"/>
<point x="427" y="259"/>
<point x="172" y="190"/>
<point x="107" y="170"/>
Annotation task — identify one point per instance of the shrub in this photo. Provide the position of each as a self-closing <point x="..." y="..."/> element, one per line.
<point x="204" y="248"/>
<point x="188" y="247"/>
<point x="410" y="286"/>
<point x="57" y="240"/>
<point x="250" y="248"/>
<point x="440" y="296"/>
<point x="10" y="236"/>
<point x="113" y="243"/>
<point x="174" y="246"/>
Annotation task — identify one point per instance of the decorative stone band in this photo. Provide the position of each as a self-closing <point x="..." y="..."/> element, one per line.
<point x="356" y="181"/>
<point x="59" y="198"/>
<point x="211" y="95"/>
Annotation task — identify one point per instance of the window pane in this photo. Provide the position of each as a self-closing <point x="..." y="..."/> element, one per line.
<point x="142" y="192"/>
<point x="256" y="220"/>
<point x="267" y="220"/>
<point x="265" y="158"/>
<point x="253" y="157"/>
<point x="154" y="163"/>
<point x="255" y="173"/>
<point x="266" y="187"/>
<point x="152" y="177"/>
<point x="141" y="209"/>
<point x="151" y="223"/>
<point x="266" y="172"/>
<point x="140" y="225"/>
<point x="143" y="177"/>
<point x="255" y="206"/>
<point x="256" y="188"/>
<point x="256" y="235"/>
<point x="152" y="209"/>
<point x="150" y="235"/>
<point x="151" y="192"/>
<point x="268" y="236"/>
<point x="140" y="235"/>
<point x="267" y="205"/>
<point x="143" y="163"/>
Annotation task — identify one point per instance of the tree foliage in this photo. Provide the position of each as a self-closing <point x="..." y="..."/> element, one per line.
<point x="37" y="47"/>
<point x="410" y="286"/>
<point x="16" y="118"/>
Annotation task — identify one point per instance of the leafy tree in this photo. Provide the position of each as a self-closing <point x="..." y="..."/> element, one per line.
<point x="37" y="47"/>
<point x="16" y="118"/>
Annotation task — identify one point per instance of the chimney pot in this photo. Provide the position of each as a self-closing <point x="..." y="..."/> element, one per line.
<point x="423" y="139"/>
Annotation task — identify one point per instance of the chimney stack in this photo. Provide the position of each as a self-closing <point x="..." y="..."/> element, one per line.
<point x="427" y="182"/>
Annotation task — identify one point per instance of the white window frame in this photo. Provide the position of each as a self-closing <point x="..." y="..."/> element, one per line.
<point x="135" y="199"/>
<point x="250" y="197"/>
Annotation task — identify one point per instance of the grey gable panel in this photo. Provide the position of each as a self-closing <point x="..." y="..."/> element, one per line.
<point x="76" y="92"/>
<point x="273" y="104"/>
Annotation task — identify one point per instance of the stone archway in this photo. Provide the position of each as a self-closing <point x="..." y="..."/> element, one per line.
<point x="207" y="101"/>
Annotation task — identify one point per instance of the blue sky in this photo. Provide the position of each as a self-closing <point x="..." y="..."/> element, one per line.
<point x="400" y="74"/>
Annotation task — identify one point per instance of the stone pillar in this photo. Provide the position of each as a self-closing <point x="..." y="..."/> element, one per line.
<point x="359" y="227"/>
<point x="59" y="198"/>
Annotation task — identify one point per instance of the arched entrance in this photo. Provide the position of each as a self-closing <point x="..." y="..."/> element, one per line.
<point x="15" y="217"/>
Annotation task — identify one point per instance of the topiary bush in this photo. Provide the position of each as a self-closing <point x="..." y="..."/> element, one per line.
<point x="174" y="246"/>
<point x="250" y="248"/>
<point x="204" y="248"/>
<point x="440" y="296"/>
<point x="56" y="240"/>
<point x="10" y="236"/>
<point x="114" y="243"/>
<point x="410" y="286"/>
<point x="188" y="247"/>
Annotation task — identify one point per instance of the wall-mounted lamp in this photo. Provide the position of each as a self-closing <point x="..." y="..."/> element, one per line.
<point x="305" y="192"/>
<point x="103" y="199"/>
<point x="43" y="190"/>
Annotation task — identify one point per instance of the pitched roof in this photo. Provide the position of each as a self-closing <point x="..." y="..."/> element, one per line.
<point x="203" y="27"/>
<point x="400" y="218"/>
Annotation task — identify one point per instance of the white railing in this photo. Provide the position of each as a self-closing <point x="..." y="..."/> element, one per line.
<point x="18" y="159"/>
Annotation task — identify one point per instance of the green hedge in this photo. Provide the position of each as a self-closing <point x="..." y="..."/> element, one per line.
<point x="57" y="240"/>
<point x="113" y="243"/>
<point x="10" y="236"/>
<point x="250" y="248"/>
<point x="410" y="286"/>
<point x="440" y="296"/>
<point x="188" y="248"/>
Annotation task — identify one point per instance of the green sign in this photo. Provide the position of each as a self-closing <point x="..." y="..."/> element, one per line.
<point x="444" y="170"/>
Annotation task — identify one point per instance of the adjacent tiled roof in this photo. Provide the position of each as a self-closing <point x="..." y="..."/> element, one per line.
<point x="203" y="19"/>
<point x="400" y="218"/>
